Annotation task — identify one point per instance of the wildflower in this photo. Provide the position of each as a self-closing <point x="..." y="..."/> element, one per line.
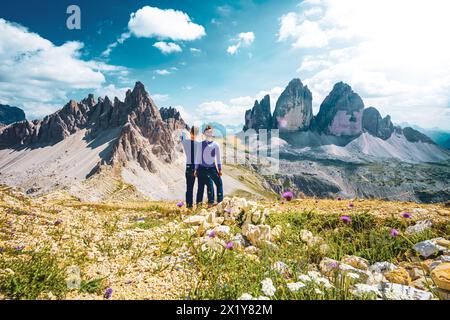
<point x="351" y="205"/>
<point x="334" y="265"/>
<point x="108" y="293"/>
<point x="180" y="204"/>
<point x="230" y="245"/>
<point x="58" y="222"/>
<point x="346" y="219"/>
<point x="296" y="286"/>
<point x="352" y="275"/>
<point x="394" y="233"/>
<point x="304" y="278"/>
<point x="19" y="248"/>
<point x="212" y="234"/>
<point x="339" y="199"/>
<point x="288" y="195"/>
<point x="268" y="287"/>
<point x="318" y="291"/>
<point x="406" y="215"/>
<point x="246" y="296"/>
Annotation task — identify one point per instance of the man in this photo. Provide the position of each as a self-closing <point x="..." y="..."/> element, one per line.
<point x="191" y="148"/>
<point x="208" y="169"/>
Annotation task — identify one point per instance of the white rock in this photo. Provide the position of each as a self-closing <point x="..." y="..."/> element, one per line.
<point x="419" y="227"/>
<point x="222" y="231"/>
<point x="393" y="291"/>
<point x="426" y="248"/>
<point x="365" y="289"/>
<point x="194" y="220"/>
<point x="382" y="267"/>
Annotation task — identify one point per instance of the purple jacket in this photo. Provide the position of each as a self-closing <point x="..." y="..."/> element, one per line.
<point x="210" y="156"/>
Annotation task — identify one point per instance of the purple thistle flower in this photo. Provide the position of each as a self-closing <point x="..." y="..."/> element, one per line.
<point x="2" y="250"/>
<point x="394" y="233"/>
<point x="228" y="210"/>
<point x="346" y="219"/>
<point x="406" y="215"/>
<point x="334" y="265"/>
<point x="108" y="293"/>
<point x="351" y="205"/>
<point x="230" y="245"/>
<point x="212" y="234"/>
<point x="180" y="204"/>
<point x="58" y="222"/>
<point x="339" y="199"/>
<point x="19" y="248"/>
<point x="288" y="195"/>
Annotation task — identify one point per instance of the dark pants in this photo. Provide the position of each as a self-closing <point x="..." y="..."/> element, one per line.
<point x="190" y="182"/>
<point x="207" y="177"/>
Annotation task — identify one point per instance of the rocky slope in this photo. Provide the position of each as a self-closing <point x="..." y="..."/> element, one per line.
<point x="10" y="115"/>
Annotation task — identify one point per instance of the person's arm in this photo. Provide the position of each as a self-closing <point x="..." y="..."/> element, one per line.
<point x="218" y="158"/>
<point x="198" y="156"/>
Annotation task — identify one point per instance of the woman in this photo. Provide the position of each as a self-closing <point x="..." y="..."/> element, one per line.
<point x="208" y="169"/>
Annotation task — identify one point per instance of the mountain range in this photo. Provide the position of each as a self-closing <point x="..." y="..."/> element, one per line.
<point x="96" y="148"/>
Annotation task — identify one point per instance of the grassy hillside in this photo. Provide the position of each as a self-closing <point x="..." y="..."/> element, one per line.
<point x="56" y="247"/>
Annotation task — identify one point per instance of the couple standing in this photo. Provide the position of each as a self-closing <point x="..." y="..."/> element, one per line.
<point x="203" y="161"/>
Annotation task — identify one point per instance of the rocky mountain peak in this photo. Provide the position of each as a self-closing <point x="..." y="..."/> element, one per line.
<point x="10" y="114"/>
<point x="259" y="117"/>
<point x="293" y="111"/>
<point x="341" y="112"/>
<point x="377" y="126"/>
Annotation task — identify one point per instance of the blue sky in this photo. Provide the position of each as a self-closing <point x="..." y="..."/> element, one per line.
<point x="212" y="59"/>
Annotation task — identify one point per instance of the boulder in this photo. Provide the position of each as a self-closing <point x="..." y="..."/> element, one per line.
<point x="394" y="291"/>
<point x="441" y="276"/>
<point x="399" y="275"/>
<point x="419" y="227"/>
<point x="356" y="262"/>
<point x="426" y="248"/>
<point x="195" y="220"/>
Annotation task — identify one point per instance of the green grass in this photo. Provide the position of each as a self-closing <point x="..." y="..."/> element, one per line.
<point x="34" y="274"/>
<point x="229" y="274"/>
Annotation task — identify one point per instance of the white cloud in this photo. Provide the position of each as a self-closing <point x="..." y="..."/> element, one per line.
<point x="232" y="113"/>
<point x="152" y="22"/>
<point x="167" y="47"/>
<point x="35" y="72"/>
<point x="244" y="39"/>
<point x="111" y="91"/>
<point x="163" y="72"/>
<point x="195" y="50"/>
<point x="149" y="22"/>
<point x="393" y="53"/>
<point x="157" y="97"/>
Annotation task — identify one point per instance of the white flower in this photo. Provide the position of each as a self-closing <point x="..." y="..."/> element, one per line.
<point x="246" y="296"/>
<point x="318" y="291"/>
<point x="262" y="298"/>
<point x="267" y="287"/>
<point x="352" y="275"/>
<point x="304" y="278"/>
<point x="325" y="282"/>
<point x="296" y="286"/>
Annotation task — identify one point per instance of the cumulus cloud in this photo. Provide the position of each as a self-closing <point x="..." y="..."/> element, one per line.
<point x="167" y="47"/>
<point x="163" y="72"/>
<point x="169" y="24"/>
<point x="157" y="97"/>
<point x="35" y="74"/>
<point x="393" y="53"/>
<point x="232" y="113"/>
<point x="244" y="39"/>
